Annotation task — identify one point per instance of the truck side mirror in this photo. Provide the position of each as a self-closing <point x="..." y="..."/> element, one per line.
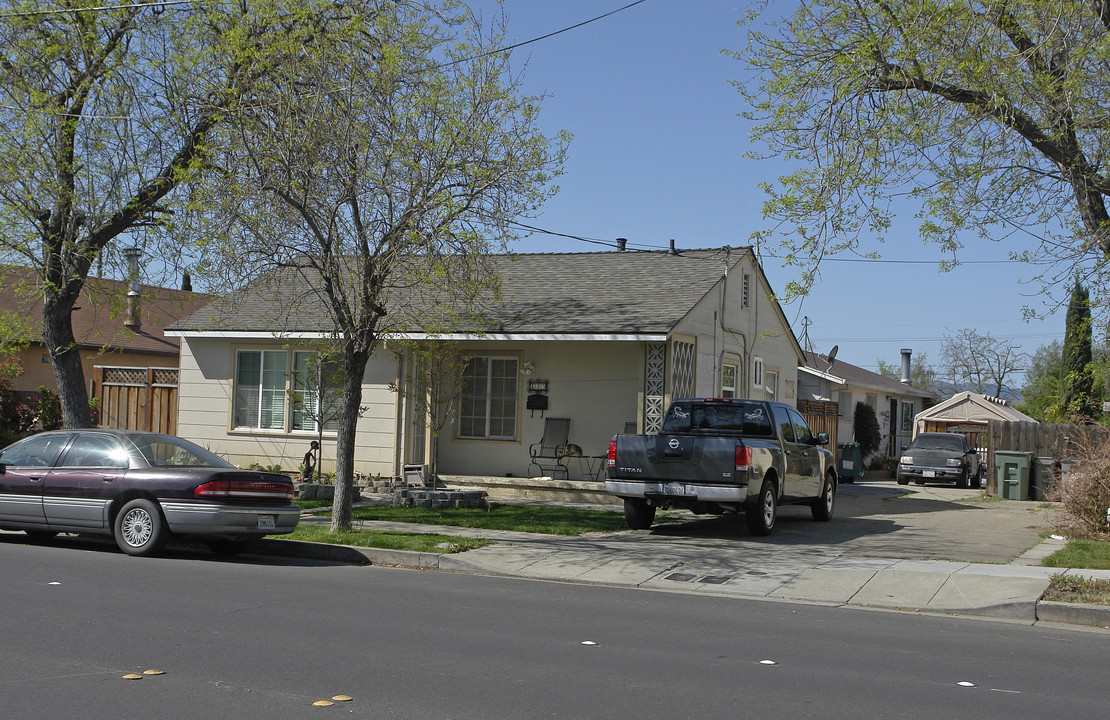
<point x="822" y="438"/>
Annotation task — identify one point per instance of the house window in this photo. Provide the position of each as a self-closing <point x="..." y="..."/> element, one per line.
<point x="847" y="409"/>
<point x="907" y="416"/>
<point x="316" y="391"/>
<point x="757" y="372"/>
<point x="729" y="373"/>
<point x="488" y="404"/>
<point x="772" y="388"/>
<point x="260" y="378"/>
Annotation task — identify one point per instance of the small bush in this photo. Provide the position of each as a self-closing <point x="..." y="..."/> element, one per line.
<point x="1085" y="491"/>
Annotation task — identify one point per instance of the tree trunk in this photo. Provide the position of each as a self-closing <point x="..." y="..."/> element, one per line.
<point x="354" y="369"/>
<point x="65" y="358"/>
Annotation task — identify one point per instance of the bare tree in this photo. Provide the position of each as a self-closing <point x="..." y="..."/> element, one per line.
<point x="979" y="361"/>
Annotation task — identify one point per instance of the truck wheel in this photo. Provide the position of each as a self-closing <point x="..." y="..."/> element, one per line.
<point x="761" y="517"/>
<point x="638" y="514"/>
<point x="823" y="507"/>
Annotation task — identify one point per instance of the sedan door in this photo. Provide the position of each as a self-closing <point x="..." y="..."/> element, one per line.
<point x="23" y="467"/>
<point x="78" y="491"/>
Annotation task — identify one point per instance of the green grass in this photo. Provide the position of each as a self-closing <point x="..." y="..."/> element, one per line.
<point x="1089" y="554"/>
<point x="518" y="518"/>
<point x="311" y="504"/>
<point x="416" y="542"/>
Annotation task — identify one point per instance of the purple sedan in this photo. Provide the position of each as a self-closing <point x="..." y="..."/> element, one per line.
<point x="139" y="487"/>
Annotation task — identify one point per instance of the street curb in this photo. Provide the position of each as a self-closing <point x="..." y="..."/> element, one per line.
<point x="1073" y="613"/>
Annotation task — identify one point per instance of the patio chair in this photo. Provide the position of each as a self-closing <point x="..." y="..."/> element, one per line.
<point x="547" y="455"/>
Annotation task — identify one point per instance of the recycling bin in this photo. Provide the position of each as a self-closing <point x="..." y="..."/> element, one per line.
<point x="1043" y="482"/>
<point x="1012" y="470"/>
<point x="849" y="462"/>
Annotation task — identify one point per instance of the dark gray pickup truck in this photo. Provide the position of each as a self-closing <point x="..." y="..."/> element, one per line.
<point x="720" y="456"/>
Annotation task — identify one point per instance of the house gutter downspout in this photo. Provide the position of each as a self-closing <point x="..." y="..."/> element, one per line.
<point x="720" y="359"/>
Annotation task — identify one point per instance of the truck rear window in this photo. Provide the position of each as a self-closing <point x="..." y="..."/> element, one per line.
<point x="744" y="418"/>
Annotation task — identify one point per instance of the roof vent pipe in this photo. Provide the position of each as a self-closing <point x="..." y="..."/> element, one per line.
<point x="622" y="244"/>
<point x="133" y="320"/>
<point x="672" y="251"/>
<point x="906" y="365"/>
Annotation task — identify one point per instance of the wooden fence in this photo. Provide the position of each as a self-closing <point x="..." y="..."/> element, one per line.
<point x="136" y="398"/>
<point x="821" y="416"/>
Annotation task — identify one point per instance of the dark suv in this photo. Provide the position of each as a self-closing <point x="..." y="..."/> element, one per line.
<point x="939" y="457"/>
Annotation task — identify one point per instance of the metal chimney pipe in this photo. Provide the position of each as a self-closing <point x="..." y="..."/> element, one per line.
<point x="672" y="251"/>
<point x="906" y="365"/>
<point x="133" y="319"/>
<point x="622" y="243"/>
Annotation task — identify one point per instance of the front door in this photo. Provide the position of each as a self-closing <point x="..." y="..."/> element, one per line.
<point x="77" y="492"/>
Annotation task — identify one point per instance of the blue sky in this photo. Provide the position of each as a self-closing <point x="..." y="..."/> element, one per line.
<point x="658" y="154"/>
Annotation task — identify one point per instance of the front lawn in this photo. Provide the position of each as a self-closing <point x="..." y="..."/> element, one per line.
<point x="518" y="518"/>
<point x="1091" y="554"/>
<point x="385" y="540"/>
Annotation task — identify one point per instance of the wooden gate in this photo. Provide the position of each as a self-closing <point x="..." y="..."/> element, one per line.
<point x="136" y="398"/>
<point x="822" y="416"/>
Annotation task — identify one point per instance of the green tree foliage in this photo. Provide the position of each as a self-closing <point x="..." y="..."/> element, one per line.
<point x="382" y="176"/>
<point x="1042" y="396"/>
<point x="1078" y="380"/>
<point x="107" y="113"/>
<point x="990" y="115"/>
<point x="866" y="425"/>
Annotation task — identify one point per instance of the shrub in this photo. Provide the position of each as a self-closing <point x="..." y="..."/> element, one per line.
<point x="1085" y="490"/>
<point x="867" y="430"/>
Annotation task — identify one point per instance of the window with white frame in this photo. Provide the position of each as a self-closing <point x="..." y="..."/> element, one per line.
<point x="260" y="379"/>
<point x="316" y="390"/>
<point x="488" y="403"/>
<point x="772" y="387"/>
<point x="757" y="372"/>
<point x="729" y="373"/>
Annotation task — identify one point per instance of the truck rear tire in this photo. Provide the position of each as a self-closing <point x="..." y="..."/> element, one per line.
<point x="638" y="514"/>
<point x="761" y="517"/>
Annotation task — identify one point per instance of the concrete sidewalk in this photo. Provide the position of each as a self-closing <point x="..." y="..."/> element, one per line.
<point x="812" y="573"/>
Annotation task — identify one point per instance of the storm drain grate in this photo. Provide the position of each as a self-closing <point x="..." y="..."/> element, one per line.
<point x="680" y="577"/>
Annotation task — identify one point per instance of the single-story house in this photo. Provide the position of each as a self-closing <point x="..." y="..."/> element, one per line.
<point x="604" y="339"/>
<point x="895" y="402"/>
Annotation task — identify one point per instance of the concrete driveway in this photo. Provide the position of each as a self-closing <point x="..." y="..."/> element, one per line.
<point x="879" y="518"/>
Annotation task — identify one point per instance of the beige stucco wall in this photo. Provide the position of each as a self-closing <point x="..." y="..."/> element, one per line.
<point x="726" y="329"/>
<point x="204" y="411"/>
<point x="595" y="384"/>
<point x="38" y="372"/>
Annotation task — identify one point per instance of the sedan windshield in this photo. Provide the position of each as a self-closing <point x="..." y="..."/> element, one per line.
<point x="169" y="451"/>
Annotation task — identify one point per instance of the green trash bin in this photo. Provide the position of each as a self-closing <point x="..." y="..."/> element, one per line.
<point x="1043" y="483"/>
<point x="1012" y="471"/>
<point x="849" y="462"/>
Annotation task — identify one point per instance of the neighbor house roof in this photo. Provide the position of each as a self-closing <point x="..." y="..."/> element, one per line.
<point x="973" y="406"/>
<point x="842" y="373"/>
<point x="99" y="313"/>
<point x="544" y="296"/>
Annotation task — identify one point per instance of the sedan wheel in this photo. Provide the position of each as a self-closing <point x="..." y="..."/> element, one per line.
<point x="140" y="529"/>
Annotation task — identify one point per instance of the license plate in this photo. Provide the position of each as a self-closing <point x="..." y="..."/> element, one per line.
<point x="674" y="489"/>
<point x="266" y="522"/>
<point x="929" y="473"/>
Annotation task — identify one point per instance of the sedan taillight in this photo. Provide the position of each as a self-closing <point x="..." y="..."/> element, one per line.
<point x="245" y="488"/>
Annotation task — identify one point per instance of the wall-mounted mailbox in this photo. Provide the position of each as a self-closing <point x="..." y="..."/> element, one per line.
<point x="537" y="402"/>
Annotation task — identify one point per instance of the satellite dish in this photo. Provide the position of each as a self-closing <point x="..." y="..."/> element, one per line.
<point x="832" y="355"/>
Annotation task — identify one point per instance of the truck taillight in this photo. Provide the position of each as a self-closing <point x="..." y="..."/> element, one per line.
<point x="611" y="458"/>
<point x="743" y="458"/>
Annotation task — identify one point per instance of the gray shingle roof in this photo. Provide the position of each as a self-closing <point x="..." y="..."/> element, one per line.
<point x="855" y="375"/>
<point x="543" y="293"/>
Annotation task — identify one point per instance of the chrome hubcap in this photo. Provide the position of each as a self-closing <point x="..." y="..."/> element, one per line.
<point x="137" y="527"/>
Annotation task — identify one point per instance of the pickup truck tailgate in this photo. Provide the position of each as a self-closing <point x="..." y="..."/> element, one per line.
<point x="677" y="458"/>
